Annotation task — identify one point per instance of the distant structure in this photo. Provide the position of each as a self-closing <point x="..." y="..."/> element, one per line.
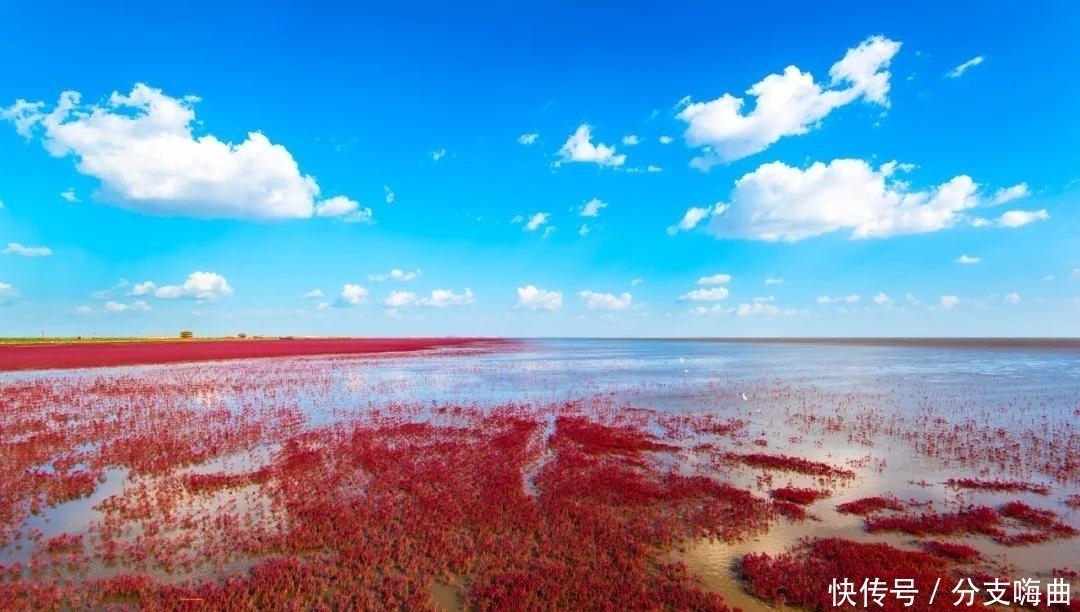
<point x="187" y="335"/>
<point x="241" y="335"/>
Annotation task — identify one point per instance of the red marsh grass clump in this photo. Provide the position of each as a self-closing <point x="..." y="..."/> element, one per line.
<point x="798" y="495"/>
<point x="868" y="505"/>
<point x="802" y="577"/>
<point x="961" y="553"/>
<point x="1073" y="501"/>
<point x="786" y="463"/>
<point x="975" y="520"/>
<point x="1044" y="525"/>
<point x="999" y="486"/>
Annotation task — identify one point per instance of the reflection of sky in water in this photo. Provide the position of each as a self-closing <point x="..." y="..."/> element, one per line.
<point x="557" y="370"/>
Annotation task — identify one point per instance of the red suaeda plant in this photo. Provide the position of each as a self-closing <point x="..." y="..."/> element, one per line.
<point x="798" y="495"/>
<point x="961" y="553"/>
<point x="1073" y="501"/>
<point x="868" y="505"/>
<point x="789" y="464"/>
<point x="999" y="486"/>
<point x="803" y="576"/>
<point x="976" y="520"/>
<point x="1046" y="523"/>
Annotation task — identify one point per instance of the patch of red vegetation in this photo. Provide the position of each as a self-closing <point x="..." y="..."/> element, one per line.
<point x="205" y="483"/>
<point x="803" y="576"/>
<point x="791" y="510"/>
<point x="868" y="505"/>
<point x="798" y="495"/>
<point x="102" y="354"/>
<point x="999" y="486"/>
<point x="596" y="438"/>
<point x="1046" y="524"/>
<point x="961" y="553"/>
<point x="786" y="463"/>
<point x="1073" y="501"/>
<point x="975" y="520"/>
<point x="979" y="520"/>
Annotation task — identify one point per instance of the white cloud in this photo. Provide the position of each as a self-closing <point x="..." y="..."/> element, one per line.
<point x="531" y="297"/>
<point x="630" y="140"/>
<point x="138" y="305"/>
<point x="204" y="286"/>
<point x="606" y="301"/>
<point x="968" y="259"/>
<point x="1011" y="298"/>
<point x="343" y="208"/>
<point x="111" y="291"/>
<point x="702" y="311"/>
<point x="651" y="168"/>
<point x="437" y="155"/>
<point x="1075" y="273"/>
<point x="636" y="282"/>
<point x="1" y="203"/>
<point x="774" y="281"/>
<point x="1020" y="218"/>
<point x="314" y="294"/>
<point x="962" y="68"/>
<point x="787" y="104"/>
<point x="8" y="294"/>
<point x="14" y="248"/>
<point x="395" y="275"/>
<point x="69" y="195"/>
<point x="844" y="299"/>
<point x="528" y="139"/>
<point x="142" y="148"/>
<point x="695" y="215"/>
<point x="388" y="194"/>
<point x="144" y="288"/>
<point x="762" y="308"/>
<point x="352" y="295"/>
<point x="715" y="279"/>
<point x="536" y="221"/>
<point x="549" y="230"/>
<point x="882" y="299"/>
<point x="1008" y="194"/>
<point x="83" y="310"/>
<point x="666" y="140"/>
<point x="579" y="148"/>
<point x="592" y="208"/>
<point x="583" y="230"/>
<point x="441" y="298"/>
<point x="948" y="302"/>
<point x="401" y="299"/>
<point x="777" y="202"/>
<point x="706" y="295"/>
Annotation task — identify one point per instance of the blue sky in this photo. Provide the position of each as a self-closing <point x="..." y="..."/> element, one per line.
<point x="603" y="169"/>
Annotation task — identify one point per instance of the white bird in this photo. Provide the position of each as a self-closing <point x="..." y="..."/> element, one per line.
<point x="744" y="397"/>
